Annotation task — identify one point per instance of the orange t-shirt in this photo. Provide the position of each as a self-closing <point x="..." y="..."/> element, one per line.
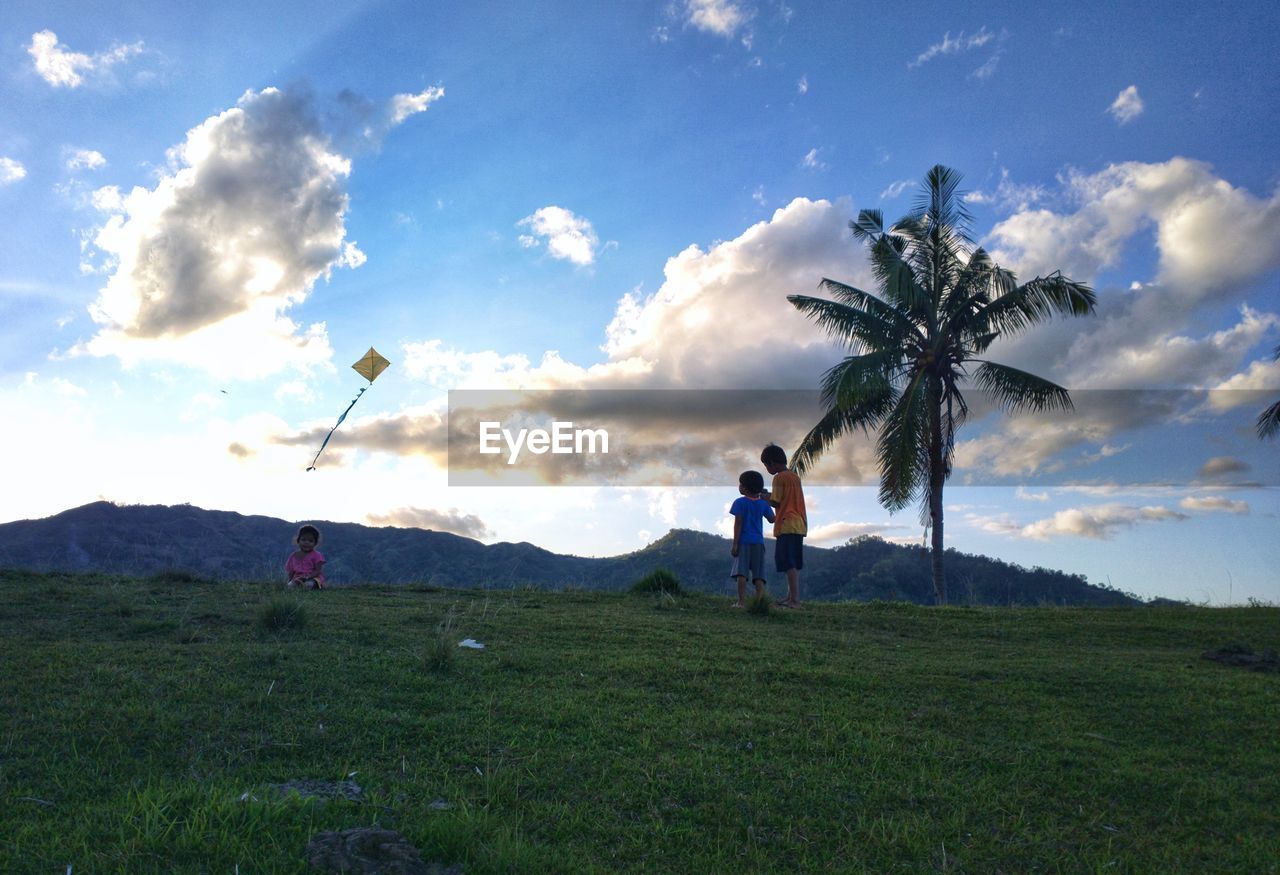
<point x="787" y="494"/>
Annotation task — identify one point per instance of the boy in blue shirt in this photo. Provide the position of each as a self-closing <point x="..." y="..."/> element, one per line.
<point x="749" y="511"/>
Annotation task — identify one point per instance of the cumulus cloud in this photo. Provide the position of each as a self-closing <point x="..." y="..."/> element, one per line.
<point x="63" y="68"/>
<point x="568" y="237"/>
<point x="11" y="170"/>
<point x="87" y="159"/>
<point x="660" y="342"/>
<point x="1260" y="378"/>
<point x="1127" y="106"/>
<point x="1140" y="336"/>
<point x="250" y="214"/>
<point x="1188" y="205"/>
<point x="454" y="521"/>
<point x="802" y="87"/>
<point x="1214" y="503"/>
<point x="950" y="46"/>
<point x="720" y="17"/>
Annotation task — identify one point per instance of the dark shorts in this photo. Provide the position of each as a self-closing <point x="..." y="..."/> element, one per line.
<point x="788" y="552"/>
<point x="749" y="562"/>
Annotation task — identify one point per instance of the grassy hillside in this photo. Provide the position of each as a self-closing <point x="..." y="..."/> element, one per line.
<point x="611" y="732"/>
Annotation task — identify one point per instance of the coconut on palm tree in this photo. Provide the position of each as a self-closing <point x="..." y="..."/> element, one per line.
<point x="941" y="303"/>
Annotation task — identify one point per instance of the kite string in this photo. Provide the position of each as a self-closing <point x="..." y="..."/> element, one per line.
<point x="312" y="466"/>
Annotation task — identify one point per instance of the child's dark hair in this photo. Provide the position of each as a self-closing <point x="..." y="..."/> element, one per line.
<point x="307" y="530"/>
<point x="752" y="481"/>
<point x="774" y="455"/>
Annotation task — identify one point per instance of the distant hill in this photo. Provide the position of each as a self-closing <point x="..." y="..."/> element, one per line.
<point x="142" y="540"/>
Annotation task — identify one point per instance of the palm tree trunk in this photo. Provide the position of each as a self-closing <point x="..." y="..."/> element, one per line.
<point x="936" y="477"/>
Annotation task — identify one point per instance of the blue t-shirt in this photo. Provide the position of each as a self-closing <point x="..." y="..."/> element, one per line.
<point x="752" y="511"/>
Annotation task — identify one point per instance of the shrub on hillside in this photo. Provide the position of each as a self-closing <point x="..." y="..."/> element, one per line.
<point x="658" y="580"/>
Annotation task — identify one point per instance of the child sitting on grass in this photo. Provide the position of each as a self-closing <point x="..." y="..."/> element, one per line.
<point x="306" y="567"/>
<point x="749" y="510"/>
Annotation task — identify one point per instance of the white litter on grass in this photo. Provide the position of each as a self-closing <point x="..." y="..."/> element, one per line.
<point x="471" y="644"/>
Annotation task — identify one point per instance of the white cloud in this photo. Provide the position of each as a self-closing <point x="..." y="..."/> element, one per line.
<point x="249" y="216"/>
<point x="467" y="525"/>
<point x="1127" y="106"/>
<point x="1263" y="375"/>
<point x="568" y="237"/>
<point x="949" y="46"/>
<point x="88" y="159"/>
<point x="1099" y="522"/>
<point x="11" y="170"/>
<point x="292" y="389"/>
<point x="107" y="199"/>
<point x="837" y="533"/>
<point x="1008" y="195"/>
<point x="896" y="188"/>
<point x="405" y="105"/>
<point x="988" y="69"/>
<point x="1214" y="503"/>
<point x="1220" y="465"/>
<point x="661" y="341"/>
<point x="1186" y="202"/>
<point x="61" y="67"/>
<point x="811" y="161"/>
<point x="802" y="87"/>
<point x="664" y="505"/>
<point x="1111" y="358"/>
<point x="720" y="17"/>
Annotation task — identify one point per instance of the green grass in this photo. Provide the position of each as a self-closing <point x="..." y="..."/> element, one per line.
<point x="594" y="733"/>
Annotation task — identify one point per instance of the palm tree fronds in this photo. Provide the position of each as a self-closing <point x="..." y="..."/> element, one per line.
<point x="837" y="422"/>
<point x="902" y="450"/>
<point x="857" y="377"/>
<point x="940" y="205"/>
<point x="1269" y="422"/>
<point x="1034" y="302"/>
<point x="856" y="297"/>
<point x="868" y="226"/>
<point x="859" y="328"/>
<point x="1018" y="390"/>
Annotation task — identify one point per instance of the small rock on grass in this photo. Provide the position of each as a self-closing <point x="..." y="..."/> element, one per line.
<point x="370" y="850"/>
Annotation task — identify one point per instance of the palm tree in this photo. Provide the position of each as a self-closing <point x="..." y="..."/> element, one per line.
<point x="941" y="304"/>
<point x="1269" y="419"/>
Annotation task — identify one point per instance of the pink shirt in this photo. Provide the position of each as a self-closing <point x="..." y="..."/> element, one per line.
<point x="305" y="565"/>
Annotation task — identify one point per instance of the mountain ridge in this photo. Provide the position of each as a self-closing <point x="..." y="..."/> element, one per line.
<point x="141" y="540"/>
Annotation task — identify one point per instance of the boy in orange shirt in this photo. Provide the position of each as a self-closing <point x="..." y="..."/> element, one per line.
<point x="790" y="524"/>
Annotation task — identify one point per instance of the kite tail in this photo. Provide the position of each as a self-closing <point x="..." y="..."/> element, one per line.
<point x="312" y="466"/>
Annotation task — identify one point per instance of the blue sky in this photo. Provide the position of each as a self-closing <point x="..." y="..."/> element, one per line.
<point x="212" y="212"/>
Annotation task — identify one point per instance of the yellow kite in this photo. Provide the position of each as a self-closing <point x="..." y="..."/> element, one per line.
<point x="369" y="367"/>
